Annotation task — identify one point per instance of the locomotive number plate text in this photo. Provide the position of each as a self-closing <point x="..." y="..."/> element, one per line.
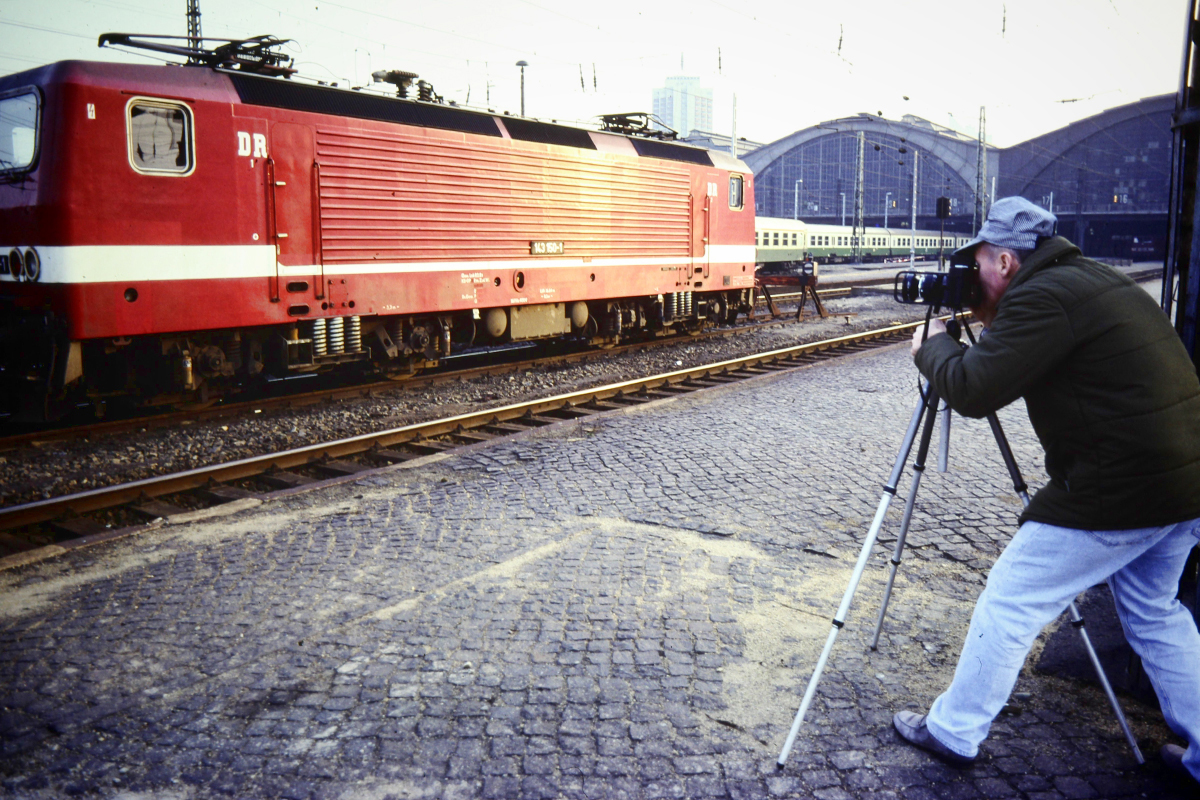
<point x="546" y="248"/>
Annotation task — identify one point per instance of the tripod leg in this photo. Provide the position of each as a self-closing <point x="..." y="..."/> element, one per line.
<point x="1076" y="618"/>
<point x="839" y="619"/>
<point x="944" y="442"/>
<point x="918" y="471"/>
<point x="1077" y="623"/>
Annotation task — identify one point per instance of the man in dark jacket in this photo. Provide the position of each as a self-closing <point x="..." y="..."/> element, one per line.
<point x="1115" y="402"/>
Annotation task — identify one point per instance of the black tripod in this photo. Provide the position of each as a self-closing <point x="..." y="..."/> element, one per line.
<point x="928" y="404"/>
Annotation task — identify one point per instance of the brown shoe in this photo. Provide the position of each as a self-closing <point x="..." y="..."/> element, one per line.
<point x="913" y="730"/>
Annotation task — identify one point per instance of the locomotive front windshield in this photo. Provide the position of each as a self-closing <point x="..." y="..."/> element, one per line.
<point x="19" y="114"/>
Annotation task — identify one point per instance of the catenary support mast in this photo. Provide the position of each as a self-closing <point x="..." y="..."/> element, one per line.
<point x="193" y="25"/>
<point x="859" y="222"/>
<point x="912" y="233"/>
<point x="981" y="183"/>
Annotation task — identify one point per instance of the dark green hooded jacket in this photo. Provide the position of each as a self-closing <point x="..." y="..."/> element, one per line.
<point x="1109" y="388"/>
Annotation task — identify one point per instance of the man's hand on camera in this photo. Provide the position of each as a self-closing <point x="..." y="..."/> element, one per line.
<point x="936" y="326"/>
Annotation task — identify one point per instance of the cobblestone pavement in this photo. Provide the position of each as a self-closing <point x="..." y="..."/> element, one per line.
<point x="625" y="606"/>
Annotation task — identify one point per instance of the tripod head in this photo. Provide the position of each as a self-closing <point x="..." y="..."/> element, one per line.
<point x="953" y="327"/>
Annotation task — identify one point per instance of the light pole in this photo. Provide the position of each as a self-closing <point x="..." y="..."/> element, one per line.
<point x="887" y="201"/>
<point x="522" y="65"/>
<point x="796" y="198"/>
<point x="843" y="194"/>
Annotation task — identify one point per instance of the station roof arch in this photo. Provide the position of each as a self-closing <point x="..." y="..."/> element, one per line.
<point x="958" y="151"/>
<point x="1024" y="166"/>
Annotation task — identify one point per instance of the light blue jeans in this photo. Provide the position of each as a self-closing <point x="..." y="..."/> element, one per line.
<point x="1037" y="576"/>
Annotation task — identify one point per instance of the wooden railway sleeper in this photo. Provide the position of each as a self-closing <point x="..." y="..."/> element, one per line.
<point x="283" y="479"/>
<point x="657" y="393"/>
<point x="622" y="400"/>
<point x="598" y="405"/>
<point x="472" y="435"/>
<point x="535" y="420"/>
<point x="337" y="468"/>
<point x="150" y="508"/>
<point x="431" y="446"/>
<point x="568" y="412"/>
<point x="217" y="493"/>
<point x="503" y="428"/>
<point x="75" y="527"/>
<point x="387" y="456"/>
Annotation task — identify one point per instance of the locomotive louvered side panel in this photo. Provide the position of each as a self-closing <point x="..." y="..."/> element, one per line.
<point x="419" y="198"/>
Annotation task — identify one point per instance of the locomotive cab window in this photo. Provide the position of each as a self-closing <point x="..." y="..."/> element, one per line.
<point x="160" y="137"/>
<point x="735" y="191"/>
<point x="20" y="115"/>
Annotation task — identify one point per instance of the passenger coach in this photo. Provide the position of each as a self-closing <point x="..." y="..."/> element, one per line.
<point x="784" y="241"/>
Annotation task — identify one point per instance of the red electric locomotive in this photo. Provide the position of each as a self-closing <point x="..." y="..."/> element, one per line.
<point x="169" y="232"/>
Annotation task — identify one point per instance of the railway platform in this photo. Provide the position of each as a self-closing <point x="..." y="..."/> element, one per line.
<point x="627" y="605"/>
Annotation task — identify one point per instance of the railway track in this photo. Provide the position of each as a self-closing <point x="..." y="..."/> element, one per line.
<point x="105" y="513"/>
<point x="368" y="389"/>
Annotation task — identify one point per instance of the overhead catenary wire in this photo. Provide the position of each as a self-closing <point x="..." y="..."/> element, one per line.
<point x="767" y="30"/>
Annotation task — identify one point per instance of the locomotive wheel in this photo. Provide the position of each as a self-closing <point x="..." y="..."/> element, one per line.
<point x="399" y="373"/>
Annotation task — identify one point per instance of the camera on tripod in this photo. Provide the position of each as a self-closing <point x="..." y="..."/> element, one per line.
<point x="955" y="289"/>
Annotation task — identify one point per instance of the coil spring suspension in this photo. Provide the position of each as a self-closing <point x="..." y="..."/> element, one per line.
<point x="337" y="336"/>
<point x="319" y="341"/>
<point x="232" y="347"/>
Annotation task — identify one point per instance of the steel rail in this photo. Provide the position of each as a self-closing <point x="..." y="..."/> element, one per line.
<point x="301" y="399"/>
<point x="108" y="497"/>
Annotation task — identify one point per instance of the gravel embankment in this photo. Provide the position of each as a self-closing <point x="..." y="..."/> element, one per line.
<point x="55" y="468"/>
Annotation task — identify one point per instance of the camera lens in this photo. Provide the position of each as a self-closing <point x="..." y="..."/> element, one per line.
<point x="931" y="289"/>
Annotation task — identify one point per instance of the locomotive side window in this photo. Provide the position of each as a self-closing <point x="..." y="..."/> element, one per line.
<point x="20" y="114"/>
<point x="160" y="137"/>
<point x="735" y="191"/>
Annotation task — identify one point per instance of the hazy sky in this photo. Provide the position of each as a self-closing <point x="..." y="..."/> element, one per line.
<point x="1034" y="64"/>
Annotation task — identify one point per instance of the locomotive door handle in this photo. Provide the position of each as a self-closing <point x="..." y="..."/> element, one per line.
<point x="318" y="241"/>
<point x="273" y="223"/>
<point x="708" y="208"/>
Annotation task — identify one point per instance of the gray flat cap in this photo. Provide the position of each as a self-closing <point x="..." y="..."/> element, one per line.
<point x="1012" y="222"/>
